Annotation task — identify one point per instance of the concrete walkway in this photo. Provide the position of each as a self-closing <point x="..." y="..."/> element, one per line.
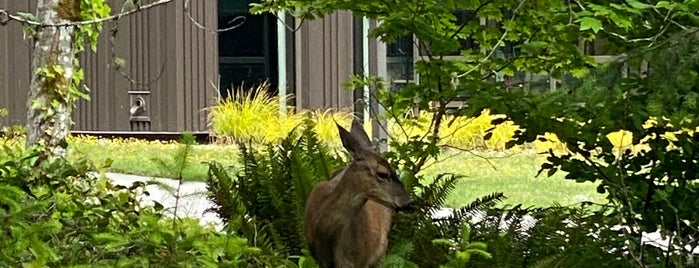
<point x="193" y="201"/>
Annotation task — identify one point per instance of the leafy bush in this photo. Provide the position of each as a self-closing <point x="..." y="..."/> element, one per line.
<point x="324" y="125"/>
<point x="577" y="236"/>
<point x="57" y="213"/>
<point x="250" y="115"/>
<point x="433" y="242"/>
<point x="468" y="133"/>
<point x="11" y="131"/>
<point x="649" y="175"/>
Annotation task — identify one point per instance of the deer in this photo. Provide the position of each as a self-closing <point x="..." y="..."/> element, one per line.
<point x="347" y="218"/>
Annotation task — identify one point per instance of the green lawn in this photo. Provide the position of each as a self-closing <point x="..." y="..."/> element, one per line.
<point x="138" y="157"/>
<point x="513" y="175"/>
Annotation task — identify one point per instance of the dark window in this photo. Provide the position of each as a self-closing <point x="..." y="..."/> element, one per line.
<point x="399" y="59"/>
<point x="247" y="54"/>
<point x="244" y="41"/>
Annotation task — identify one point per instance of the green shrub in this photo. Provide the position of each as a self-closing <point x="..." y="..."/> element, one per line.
<point x="635" y="136"/>
<point x="576" y="236"/>
<point x="324" y="125"/>
<point x="255" y="116"/>
<point x="12" y="131"/>
<point x="468" y="133"/>
<point x="56" y="213"/>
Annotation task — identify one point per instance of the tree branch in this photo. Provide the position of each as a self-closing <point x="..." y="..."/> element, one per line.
<point x="5" y="16"/>
<point x="188" y="12"/>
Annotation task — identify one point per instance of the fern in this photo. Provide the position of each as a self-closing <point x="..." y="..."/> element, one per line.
<point x="272" y="188"/>
<point x="479" y="204"/>
<point x="221" y="191"/>
<point x="9" y="196"/>
<point x="436" y="192"/>
<point x="451" y="226"/>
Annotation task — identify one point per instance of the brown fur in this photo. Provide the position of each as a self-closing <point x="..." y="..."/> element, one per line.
<point x="348" y="218"/>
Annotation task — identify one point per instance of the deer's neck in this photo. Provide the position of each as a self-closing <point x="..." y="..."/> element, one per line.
<point x="346" y="201"/>
<point x="349" y="194"/>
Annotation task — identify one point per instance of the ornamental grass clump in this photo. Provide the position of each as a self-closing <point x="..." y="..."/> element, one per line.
<point x="251" y="115"/>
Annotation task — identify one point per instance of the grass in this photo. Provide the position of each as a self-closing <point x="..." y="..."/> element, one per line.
<point x="132" y="156"/>
<point x="513" y="175"/>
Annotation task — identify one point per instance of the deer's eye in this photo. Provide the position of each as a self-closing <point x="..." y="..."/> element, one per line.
<point x="383" y="175"/>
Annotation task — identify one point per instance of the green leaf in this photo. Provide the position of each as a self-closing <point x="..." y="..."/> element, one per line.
<point x="28" y="16"/>
<point x="590" y="23"/>
<point x="638" y="4"/>
<point x="665" y="5"/>
<point x="533" y="47"/>
<point x="119" y="63"/>
<point x="36" y="104"/>
<point x="58" y="69"/>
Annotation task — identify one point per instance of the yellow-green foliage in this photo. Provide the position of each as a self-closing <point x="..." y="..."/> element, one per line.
<point x="251" y="116"/>
<point x="108" y="142"/>
<point x="550" y="142"/>
<point x="255" y="116"/>
<point x="462" y="132"/>
<point x="623" y="139"/>
<point x="325" y="126"/>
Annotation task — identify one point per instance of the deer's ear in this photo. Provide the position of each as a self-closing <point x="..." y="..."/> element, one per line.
<point x="354" y="143"/>
<point x="360" y="135"/>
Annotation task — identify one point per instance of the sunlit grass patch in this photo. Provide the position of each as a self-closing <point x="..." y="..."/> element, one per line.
<point x="512" y="174"/>
<point x="135" y="156"/>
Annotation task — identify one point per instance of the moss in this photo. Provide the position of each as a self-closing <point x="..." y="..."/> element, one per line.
<point x="69" y="9"/>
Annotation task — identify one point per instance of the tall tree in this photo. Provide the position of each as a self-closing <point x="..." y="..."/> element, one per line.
<point x="51" y="100"/>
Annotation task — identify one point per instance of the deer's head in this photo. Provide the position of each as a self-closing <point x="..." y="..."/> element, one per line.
<point x="372" y="173"/>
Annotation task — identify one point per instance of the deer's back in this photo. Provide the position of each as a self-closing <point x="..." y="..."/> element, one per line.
<point x="321" y="248"/>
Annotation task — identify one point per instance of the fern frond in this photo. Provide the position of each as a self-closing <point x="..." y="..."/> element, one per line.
<point x="9" y="196"/>
<point x="221" y="192"/>
<point x="272" y="189"/>
<point x="435" y="193"/>
<point x="547" y="261"/>
<point x="480" y="204"/>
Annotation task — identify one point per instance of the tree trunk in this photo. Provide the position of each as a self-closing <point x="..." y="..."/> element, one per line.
<point x="50" y="101"/>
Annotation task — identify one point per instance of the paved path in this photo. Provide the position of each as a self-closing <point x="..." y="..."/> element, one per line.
<point x="193" y="201"/>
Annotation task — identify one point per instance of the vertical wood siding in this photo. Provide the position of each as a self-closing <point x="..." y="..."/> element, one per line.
<point x="324" y="62"/>
<point x="15" y="62"/>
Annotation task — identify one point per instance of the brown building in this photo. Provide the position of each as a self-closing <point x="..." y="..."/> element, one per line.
<point x="174" y="69"/>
